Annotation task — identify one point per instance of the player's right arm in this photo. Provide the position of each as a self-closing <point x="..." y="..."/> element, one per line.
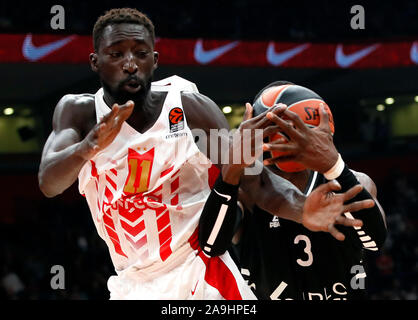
<point x="75" y="139"/>
<point x="62" y="156"/>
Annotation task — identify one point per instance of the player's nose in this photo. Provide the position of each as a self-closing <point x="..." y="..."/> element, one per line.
<point x="129" y="65"/>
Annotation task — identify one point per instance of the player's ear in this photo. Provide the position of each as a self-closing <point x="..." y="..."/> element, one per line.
<point x="156" y="55"/>
<point x="93" y="62"/>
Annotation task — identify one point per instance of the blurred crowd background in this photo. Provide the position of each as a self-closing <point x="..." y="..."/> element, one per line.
<point x="235" y="19"/>
<point x="37" y="233"/>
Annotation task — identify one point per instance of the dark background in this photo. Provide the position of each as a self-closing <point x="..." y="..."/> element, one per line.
<point x="37" y="233"/>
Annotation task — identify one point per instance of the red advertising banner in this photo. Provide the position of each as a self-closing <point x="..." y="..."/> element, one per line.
<point x="42" y="48"/>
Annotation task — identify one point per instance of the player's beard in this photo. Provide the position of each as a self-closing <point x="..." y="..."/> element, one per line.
<point x="121" y="96"/>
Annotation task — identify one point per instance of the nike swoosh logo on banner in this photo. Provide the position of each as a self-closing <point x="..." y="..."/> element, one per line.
<point x="223" y="195"/>
<point x="346" y="60"/>
<point x="279" y="58"/>
<point x="205" y="56"/>
<point x="414" y="52"/>
<point x="33" y="53"/>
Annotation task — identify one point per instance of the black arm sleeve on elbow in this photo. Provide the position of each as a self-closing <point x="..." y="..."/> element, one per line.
<point x="217" y="221"/>
<point x="372" y="234"/>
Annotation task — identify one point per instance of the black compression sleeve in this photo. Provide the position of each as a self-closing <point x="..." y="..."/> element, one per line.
<point x="373" y="232"/>
<point x="217" y="221"/>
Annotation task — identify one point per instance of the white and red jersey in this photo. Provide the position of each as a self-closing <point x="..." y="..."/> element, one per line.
<point x="146" y="191"/>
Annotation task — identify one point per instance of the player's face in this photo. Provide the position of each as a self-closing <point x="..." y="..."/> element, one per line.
<point x="126" y="61"/>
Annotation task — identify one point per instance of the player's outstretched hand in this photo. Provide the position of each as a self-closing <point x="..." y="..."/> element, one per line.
<point x="247" y="133"/>
<point x="324" y="209"/>
<point x="312" y="147"/>
<point x="248" y="141"/>
<point x="105" y="131"/>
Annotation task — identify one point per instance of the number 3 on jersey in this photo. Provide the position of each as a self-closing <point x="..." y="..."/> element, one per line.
<point x="307" y="250"/>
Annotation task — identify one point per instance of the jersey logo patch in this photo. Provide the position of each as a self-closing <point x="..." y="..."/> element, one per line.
<point x="275" y="222"/>
<point x="176" y="119"/>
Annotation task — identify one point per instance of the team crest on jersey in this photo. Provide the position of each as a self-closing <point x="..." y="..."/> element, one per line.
<point x="176" y="119"/>
<point x="275" y="222"/>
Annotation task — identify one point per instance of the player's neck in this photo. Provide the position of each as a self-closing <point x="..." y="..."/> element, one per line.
<point x="299" y="179"/>
<point x="140" y="102"/>
<point x="146" y="111"/>
<point x="146" y="114"/>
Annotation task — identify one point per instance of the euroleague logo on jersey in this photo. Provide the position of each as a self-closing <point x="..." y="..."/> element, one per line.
<point x="176" y="119"/>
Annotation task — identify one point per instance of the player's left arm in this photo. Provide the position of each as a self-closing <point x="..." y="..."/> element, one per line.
<point x="370" y="186"/>
<point x="374" y="230"/>
<point x="218" y="216"/>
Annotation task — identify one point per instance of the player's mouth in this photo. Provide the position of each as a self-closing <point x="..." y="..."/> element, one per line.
<point x="132" y="85"/>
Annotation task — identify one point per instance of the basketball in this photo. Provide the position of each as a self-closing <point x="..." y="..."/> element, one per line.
<point x="300" y="100"/>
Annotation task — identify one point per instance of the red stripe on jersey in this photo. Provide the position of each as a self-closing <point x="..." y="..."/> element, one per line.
<point x="220" y="277"/>
<point x="109" y="195"/>
<point x="112" y="183"/>
<point x="114" y="171"/>
<point x="165" y="235"/>
<point x="115" y="240"/>
<point x="213" y="174"/>
<point x="175" y="200"/>
<point x="165" y="250"/>
<point x="163" y="219"/>
<point x="132" y="213"/>
<point x="217" y="273"/>
<point x="108" y="221"/>
<point x="165" y="240"/>
<point x="111" y="233"/>
<point x="166" y="171"/>
<point x="133" y="230"/>
<point x="93" y="169"/>
<point x="175" y="185"/>
<point x="118" y="249"/>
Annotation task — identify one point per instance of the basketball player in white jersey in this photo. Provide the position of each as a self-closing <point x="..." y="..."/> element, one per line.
<point x="146" y="182"/>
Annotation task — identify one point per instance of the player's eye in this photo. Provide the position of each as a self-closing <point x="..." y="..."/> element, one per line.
<point x="115" y="54"/>
<point x="142" y="54"/>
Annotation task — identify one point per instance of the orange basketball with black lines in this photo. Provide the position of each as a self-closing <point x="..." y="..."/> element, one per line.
<point x="300" y="100"/>
<point x="176" y="115"/>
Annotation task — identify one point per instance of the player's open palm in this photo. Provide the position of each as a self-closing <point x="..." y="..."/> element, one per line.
<point x="105" y="131"/>
<point x="324" y="209"/>
<point x="249" y="136"/>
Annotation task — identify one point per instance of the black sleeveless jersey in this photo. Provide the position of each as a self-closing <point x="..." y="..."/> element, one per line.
<point x="282" y="259"/>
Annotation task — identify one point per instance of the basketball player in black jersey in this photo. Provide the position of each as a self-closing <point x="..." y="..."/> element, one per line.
<point x="282" y="259"/>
